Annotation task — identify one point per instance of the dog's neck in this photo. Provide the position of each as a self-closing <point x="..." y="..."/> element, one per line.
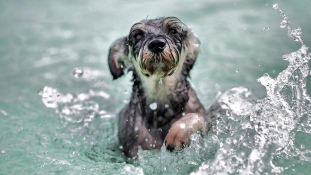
<point x="158" y="89"/>
<point x="161" y="99"/>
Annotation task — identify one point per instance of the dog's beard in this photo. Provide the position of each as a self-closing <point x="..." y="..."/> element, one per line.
<point x="159" y="63"/>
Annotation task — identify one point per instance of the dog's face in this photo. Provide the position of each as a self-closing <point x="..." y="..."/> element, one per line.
<point x="154" y="47"/>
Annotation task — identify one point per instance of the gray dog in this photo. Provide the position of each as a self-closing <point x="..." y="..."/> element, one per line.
<point x="163" y="107"/>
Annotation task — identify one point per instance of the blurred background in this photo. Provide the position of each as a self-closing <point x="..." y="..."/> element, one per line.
<point x="53" y="120"/>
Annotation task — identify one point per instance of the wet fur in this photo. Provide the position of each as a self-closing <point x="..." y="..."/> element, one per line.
<point x="139" y="125"/>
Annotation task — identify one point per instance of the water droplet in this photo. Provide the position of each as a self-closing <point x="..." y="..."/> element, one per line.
<point x="146" y="139"/>
<point x="182" y="126"/>
<point x="40" y="92"/>
<point x="136" y="128"/>
<point x="160" y="82"/>
<point x="276" y="6"/>
<point x="121" y="147"/>
<point x="166" y="105"/>
<point x="283" y="23"/>
<point x="125" y="91"/>
<point x="77" y="72"/>
<point x="153" y="106"/>
<point x="237" y="71"/>
<point x="2" y="151"/>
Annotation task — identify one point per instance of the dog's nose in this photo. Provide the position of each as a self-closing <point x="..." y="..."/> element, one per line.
<point x="157" y="45"/>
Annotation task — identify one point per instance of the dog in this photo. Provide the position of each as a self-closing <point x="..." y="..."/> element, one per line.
<point x="163" y="108"/>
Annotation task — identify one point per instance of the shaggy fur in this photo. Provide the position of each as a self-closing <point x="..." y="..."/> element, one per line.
<point x="163" y="107"/>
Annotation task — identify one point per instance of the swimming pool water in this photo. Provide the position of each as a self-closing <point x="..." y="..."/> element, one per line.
<point x="53" y="122"/>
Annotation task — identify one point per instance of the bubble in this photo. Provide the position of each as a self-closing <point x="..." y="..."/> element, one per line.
<point x="166" y="105"/>
<point x="121" y="147"/>
<point x="78" y="72"/>
<point x="136" y="128"/>
<point x="153" y="106"/>
<point x="2" y="151"/>
<point x="237" y="71"/>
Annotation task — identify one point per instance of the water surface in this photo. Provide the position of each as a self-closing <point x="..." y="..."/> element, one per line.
<point x="55" y="122"/>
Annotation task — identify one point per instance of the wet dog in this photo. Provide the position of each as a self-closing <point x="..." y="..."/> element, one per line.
<point x="163" y="107"/>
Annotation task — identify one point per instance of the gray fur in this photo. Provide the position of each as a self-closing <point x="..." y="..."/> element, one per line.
<point x="140" y="126"/>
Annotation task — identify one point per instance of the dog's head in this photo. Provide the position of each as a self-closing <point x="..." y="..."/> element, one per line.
<point x="154" y="47"/>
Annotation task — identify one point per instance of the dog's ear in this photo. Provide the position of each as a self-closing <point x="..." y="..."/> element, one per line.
<point x="118" y="53"/>
<point x="193" y="48"/>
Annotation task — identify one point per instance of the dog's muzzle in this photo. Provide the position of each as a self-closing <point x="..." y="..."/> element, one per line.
<point x="159" y="57"/>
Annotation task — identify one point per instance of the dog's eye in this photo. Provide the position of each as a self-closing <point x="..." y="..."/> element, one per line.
<point x="138" y="36"/>
<point x="172" y="31"/>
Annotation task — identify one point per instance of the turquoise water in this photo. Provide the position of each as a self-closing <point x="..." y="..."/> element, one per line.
<point x="55" y="123"/>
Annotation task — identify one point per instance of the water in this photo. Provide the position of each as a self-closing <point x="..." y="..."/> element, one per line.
<point x="58" y="102"/>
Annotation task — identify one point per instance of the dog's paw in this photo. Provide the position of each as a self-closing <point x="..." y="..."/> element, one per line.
<point x="179" y="134"/>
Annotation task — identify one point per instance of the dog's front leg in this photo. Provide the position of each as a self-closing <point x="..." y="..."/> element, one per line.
<point x="179" y="134"/>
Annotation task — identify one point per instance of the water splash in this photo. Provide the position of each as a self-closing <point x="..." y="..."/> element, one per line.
<point x="73" y="104"/>
<point x="268" y="133"/>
